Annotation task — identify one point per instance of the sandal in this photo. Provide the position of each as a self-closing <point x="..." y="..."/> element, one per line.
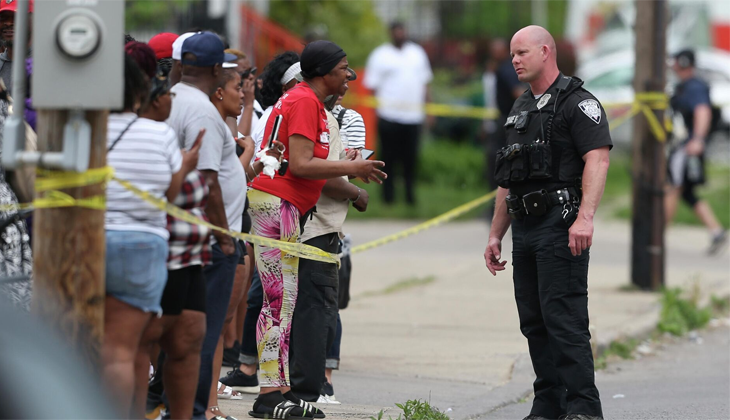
<point x="216" y="408"/>
<point x="281" y="411"/>
<point x="228" y="393"/>
<point x="310" y="409"/>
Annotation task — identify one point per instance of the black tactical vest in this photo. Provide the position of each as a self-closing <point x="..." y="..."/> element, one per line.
<point x="536" y="141"/>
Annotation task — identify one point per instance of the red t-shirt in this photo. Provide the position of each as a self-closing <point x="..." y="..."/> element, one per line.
<point x="303" y="114"/>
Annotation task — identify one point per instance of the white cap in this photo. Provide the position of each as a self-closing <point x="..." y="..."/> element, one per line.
<point x="177" y="45"/>
<point x="293" y="72"/>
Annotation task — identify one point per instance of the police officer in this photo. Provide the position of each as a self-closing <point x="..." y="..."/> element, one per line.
<point x="551" y="175"/>
<point x="687" y="160"/>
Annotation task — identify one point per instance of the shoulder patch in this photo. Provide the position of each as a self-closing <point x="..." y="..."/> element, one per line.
<point x="592" y="109"/>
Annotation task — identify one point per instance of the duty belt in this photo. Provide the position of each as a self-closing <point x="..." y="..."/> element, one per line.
<point x="537" y="203"/>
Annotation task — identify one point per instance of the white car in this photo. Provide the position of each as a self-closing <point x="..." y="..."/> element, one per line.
<point x="610" y="79"/>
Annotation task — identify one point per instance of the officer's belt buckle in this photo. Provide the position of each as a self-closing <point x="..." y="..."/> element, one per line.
<point x="535" y="203"/>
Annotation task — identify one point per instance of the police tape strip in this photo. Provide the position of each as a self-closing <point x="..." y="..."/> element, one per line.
<point x="53" y="180"/>
<point x="49" y="181"/>
<point x="299" y="250"/>
<point x="446" y="217"/>
<point x="646" y="103"/>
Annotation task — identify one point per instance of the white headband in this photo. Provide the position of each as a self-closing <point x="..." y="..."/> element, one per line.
<point x="293" y="72"/>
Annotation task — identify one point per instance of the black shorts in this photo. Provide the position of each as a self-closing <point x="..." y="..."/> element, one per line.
<point x="185" y="289"/>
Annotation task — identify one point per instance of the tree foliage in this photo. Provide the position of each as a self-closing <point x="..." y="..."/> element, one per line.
<point x="497" y="18"/>
<point x="152" y="13"/>
<point x="352" y="24"/>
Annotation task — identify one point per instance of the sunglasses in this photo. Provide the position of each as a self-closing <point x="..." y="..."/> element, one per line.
<point x="248" y="72"/>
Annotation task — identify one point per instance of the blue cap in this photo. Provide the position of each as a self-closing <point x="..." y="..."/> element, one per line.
<point x="208" y="50"/>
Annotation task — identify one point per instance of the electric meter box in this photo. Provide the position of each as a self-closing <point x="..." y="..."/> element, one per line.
<point x="78" y="54"/>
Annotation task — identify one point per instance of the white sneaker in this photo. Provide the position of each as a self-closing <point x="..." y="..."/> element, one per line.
<point x="326" y="399"/>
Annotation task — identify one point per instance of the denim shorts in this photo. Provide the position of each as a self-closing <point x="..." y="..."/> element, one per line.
<point x="136" y="268"/>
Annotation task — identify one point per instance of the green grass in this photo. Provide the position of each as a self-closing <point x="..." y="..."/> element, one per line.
<point x="416" y="410"/>
<point x="431" y="201"/>
<point x="680" y="313"/>
<point x="716" y="191"/>
<point x="623" y="349"/>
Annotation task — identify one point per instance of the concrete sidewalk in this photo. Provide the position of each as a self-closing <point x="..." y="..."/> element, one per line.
<point x="428" y="321"/>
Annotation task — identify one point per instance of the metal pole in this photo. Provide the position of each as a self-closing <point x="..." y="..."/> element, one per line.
<point x="20" y="48"/>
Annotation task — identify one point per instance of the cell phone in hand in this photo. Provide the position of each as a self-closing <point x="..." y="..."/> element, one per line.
<point x="275" y="131"/>
<point x="366" y="153"/>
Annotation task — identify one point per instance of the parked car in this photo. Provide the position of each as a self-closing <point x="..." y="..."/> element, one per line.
<point x="610" y="79"/>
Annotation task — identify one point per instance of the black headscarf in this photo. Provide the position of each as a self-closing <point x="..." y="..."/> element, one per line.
<point x="320" y="57"/>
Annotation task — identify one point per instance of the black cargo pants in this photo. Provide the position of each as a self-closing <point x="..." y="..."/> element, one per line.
<point x="315" y="320"/>
<point x="551" y="290"/>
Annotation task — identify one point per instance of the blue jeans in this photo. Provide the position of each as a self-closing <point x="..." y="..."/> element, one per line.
<point x="219" y="285"/>
<point x="249" y="350"/>
<point x="136" y="268"/>
<point x="333" y="354"/>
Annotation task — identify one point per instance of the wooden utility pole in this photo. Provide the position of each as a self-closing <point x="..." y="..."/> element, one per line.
<point x="69" y="248"/>
<point x="649" y="162"/>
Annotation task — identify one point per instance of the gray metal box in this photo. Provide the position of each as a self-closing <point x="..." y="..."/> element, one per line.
<point x="93" y="82"/>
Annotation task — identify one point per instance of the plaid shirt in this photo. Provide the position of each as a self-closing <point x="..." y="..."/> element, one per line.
<point x="190" y="244"/>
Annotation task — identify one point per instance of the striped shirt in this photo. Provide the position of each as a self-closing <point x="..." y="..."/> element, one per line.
<point x="146" y="155"/>
<point x="352" y="131"/>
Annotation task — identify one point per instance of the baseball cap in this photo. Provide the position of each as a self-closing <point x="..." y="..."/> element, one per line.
<point x="12" y="6"/>
<point x="178" y="43"/>
<point x="161" y="44"/>
<point x="208" y="50"/>
<point x="685" y="59"/>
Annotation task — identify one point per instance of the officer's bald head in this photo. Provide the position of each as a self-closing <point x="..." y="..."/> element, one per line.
<point x="533" y="50"/>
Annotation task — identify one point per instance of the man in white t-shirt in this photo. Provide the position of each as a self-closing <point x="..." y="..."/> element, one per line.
<point x="202" y="57"/>
<point x="399" y="72"/>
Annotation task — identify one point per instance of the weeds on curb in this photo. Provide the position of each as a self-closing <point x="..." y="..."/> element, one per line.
<point x="682" y="314"/>
<point x="621" y="348"/>
<point x="416" y="410"/>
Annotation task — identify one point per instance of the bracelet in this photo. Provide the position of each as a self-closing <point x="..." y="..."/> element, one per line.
<point x="359" y="192"/>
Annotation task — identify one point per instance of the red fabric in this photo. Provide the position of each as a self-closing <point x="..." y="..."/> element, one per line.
<point x="303" y="114"/>
<point x="162" y="44"/>
<point x="12" y="6"/>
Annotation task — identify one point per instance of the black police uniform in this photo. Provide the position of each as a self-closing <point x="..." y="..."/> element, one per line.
<point x="542" y="167"/>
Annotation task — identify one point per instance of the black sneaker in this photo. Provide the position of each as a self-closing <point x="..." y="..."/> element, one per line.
<point x="581" y="417"/>
<point x="230" y="355"/>
<point x="535" y="417"/>
<point x="239" y="381"/>
<point x="718" y="242"/>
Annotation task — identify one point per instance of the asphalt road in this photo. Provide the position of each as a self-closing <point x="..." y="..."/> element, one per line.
<point x="687" y="379"/>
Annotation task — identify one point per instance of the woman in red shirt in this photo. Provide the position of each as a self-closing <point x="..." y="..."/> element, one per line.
<point x="278" y="203"/>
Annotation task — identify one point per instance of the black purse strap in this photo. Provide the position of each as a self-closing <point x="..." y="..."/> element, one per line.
<point x="114" y="143"/>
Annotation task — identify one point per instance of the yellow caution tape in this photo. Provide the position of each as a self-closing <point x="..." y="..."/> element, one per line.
<point x="53" y="180"/>
<point x="299" y="250"/>
<point x="446" y="217"/>
<point x="437" y="110"/>
<point x="50" y="181"/>
<point x="646" y="103"/>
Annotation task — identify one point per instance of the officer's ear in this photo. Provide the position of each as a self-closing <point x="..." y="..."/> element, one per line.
<point x="545" y="51"/>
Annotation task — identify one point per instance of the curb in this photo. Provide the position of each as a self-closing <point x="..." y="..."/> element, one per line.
<point x="519" y="385"/>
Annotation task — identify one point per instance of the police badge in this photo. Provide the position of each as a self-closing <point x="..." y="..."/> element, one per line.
<point x="543" y="100"/>
<point x="592" y="109"/>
